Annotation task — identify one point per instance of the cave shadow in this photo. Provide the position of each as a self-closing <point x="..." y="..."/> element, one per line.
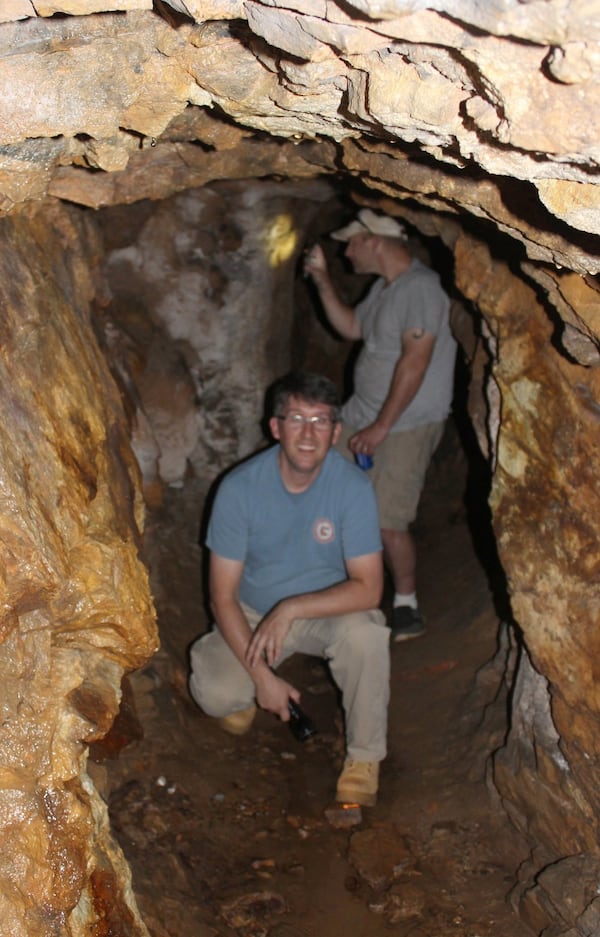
<point x="478" y="482"/>
<point x="476" y="495"/>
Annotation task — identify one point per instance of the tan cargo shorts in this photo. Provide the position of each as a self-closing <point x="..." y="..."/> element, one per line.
<point x="399" y="467"/>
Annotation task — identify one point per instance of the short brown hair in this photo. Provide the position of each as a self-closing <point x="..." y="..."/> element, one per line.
<point x="312" y="387"/>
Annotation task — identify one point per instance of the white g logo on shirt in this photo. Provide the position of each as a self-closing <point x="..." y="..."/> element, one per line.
<point x="323" y="530"/>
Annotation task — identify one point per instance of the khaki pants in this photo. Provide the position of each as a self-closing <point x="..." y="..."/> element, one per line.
<point x="356" y="646"/>
<point x="399" y="467"/>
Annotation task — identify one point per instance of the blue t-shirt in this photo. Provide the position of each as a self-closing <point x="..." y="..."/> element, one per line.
<point x="292" y="543"/>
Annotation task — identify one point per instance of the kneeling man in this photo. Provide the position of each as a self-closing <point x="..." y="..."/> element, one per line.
<point x="296" y="566"/>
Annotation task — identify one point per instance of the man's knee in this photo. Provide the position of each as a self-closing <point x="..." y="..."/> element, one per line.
<point x="214" y="687"/>
<point x="366" y="633"/>
<point x="216" y="698"/>
<point x="205" y="693"/>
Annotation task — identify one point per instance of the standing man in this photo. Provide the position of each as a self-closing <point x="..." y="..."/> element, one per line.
<point x="403" y="384"/>
<point x="296" y="566"/>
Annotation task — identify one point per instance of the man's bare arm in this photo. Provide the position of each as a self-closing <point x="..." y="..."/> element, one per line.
<point x="340" y="315"/>
<point x="224" y="581"/>
<point x="362" y="590"/>
<point x="417" y="349"/>
<point x="272" y="693"/>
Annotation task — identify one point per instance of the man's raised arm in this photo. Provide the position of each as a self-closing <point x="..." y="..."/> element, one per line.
<point x="340" y="315"/>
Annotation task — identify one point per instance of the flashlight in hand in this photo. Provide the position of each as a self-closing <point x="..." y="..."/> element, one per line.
<point x="301" y="726"/>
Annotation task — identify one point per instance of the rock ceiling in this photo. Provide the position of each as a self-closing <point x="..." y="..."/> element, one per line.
<point x="483" y="112"/>
<point x="489" y="109"/>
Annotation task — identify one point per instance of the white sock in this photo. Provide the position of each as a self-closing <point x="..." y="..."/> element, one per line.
<point x="410" y="600"/>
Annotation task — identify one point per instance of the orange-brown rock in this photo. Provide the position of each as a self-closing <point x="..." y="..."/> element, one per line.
<point x="76" y="608"/>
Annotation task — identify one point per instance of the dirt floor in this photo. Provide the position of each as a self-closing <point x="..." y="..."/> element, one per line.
<point x="239" y="837"/>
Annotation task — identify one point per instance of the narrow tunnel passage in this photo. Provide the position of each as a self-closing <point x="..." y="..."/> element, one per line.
<point x="242" y="833"/>
<point x="232" y="835"/>
<point x="475" y="124"/>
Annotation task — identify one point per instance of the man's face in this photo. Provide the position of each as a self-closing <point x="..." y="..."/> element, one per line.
<point x="305" y="432"/>
<point x="360" y="251"/>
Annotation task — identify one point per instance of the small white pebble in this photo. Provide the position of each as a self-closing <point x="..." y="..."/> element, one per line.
<point x="161" y="781"/>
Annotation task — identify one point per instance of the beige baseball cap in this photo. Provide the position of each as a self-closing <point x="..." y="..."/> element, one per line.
<point x="369" y="222"/>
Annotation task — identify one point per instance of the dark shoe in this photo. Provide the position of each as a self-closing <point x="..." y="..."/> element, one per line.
<point x="406" y="623"/>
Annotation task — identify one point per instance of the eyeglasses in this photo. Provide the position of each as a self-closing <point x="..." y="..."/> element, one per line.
<point x="320" y="423"/>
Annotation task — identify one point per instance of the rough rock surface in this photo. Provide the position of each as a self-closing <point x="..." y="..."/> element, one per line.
<point x="202" y="287"/>
<point x="478" y="124"/>
<point x="76" y="609"/>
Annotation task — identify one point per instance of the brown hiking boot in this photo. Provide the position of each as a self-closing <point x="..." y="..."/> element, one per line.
<point x="239" y="722"/>
<point x="358" y="783"/>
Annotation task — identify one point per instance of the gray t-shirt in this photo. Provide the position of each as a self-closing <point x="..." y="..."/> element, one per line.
<point x="292" y="543"/>
<point x="413" y="300"/>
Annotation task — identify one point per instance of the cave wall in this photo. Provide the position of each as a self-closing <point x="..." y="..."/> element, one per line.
<point x="477" y="124"/>
<point x="76" y="609"/>
<point x="545" y="505"/>
<point x="525" y="371"/>
<point x="202" y="292"/>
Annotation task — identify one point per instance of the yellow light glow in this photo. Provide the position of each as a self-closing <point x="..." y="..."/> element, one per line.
<point x="280" y="240"/>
